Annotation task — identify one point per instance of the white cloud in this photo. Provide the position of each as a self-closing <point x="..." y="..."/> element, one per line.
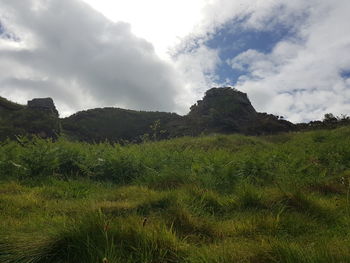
<point x="197" y="69"/>
<point x="163" y="23"/>
<point x="72" y="53"/>
<point x="301" y="77"/>
<point x="87" y="60"/>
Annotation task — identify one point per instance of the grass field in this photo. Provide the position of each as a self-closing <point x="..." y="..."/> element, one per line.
<point x="217" y="199"/>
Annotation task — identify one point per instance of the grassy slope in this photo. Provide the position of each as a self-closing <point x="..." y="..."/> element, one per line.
<point x="282" y="198"/>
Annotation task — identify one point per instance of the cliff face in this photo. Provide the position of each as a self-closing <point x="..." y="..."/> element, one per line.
<point x="44" y="104"/>
<point x="222" y="110"/>
<point x="227" y="101"/>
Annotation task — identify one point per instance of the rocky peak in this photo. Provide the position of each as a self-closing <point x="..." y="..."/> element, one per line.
<point x="43" y="104"/>
<point x="227" y="110"/>
<point x="227" y="101"/>
<point x="226" y="91"/>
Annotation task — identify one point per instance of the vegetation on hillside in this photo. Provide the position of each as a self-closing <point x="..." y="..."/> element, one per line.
<point x="19" y="120"/>
<point x="9" y="105"/>
<point x="224" y="198"/>
<point x="25" y="122"/>
<point x="113" y="124"/>
<point x="222" y="110"/>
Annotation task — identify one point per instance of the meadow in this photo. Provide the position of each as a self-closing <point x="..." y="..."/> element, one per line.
<point x="213" y="199"/>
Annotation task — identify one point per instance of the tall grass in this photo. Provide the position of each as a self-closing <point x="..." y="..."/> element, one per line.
<point x="282" y="198"/>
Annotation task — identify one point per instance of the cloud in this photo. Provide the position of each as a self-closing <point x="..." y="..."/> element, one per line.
<point x="67" y="50"/>
<point x="197" y="70"/>
<point x="304" y="75"/>
<point x="163" y="23"/>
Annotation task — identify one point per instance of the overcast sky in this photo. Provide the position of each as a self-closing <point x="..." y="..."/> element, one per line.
<point x="292" y="58"/>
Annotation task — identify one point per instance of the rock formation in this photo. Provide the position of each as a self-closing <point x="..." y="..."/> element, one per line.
<point x="43" y="104"/>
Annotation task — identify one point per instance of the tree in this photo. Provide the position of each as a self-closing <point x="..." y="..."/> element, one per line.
<point x="329" y="118"/>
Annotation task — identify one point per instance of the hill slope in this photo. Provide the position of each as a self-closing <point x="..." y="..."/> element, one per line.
<point x="222" y="110"/>
<point x="115" y="124"/>
<point x="39" y="117"/>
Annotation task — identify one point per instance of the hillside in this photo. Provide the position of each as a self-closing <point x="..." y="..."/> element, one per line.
<point x="227" y="110"/>
<point x="224" y="198"/>
<point x="222" y="110"/>
<point x="39" y="117"/>
<point x="115" y="124"/>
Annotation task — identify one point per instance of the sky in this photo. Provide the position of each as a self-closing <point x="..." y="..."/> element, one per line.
<point x="292" y="58"/>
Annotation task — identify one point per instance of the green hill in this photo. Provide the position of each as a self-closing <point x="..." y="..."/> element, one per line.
<point x="6" y="105"/>
<point x="222" y="110"/>
<point x="227" y="110"/>
<point x="224" y="198"/>
<point x="115" y="124"/>
<point x="39" y="117"/>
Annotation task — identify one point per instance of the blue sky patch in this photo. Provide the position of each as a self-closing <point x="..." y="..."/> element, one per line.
<point x="232" y="39"/>
<point x="2" y="29"/>
<point x="7" y="35"/>
<point x="345" y="74"/>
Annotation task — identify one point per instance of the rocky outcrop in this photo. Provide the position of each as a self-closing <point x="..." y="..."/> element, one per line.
<point x="227" y="110"/>
<point x="43" y="104"/>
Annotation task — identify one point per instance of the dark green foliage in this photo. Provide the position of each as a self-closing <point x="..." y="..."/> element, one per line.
<point x="329" y="122"/>
<point x="9" y="105"/>
<point x="222" y="110"/>
<point x="19" y="120"/>
<point x="118" y="125"/>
